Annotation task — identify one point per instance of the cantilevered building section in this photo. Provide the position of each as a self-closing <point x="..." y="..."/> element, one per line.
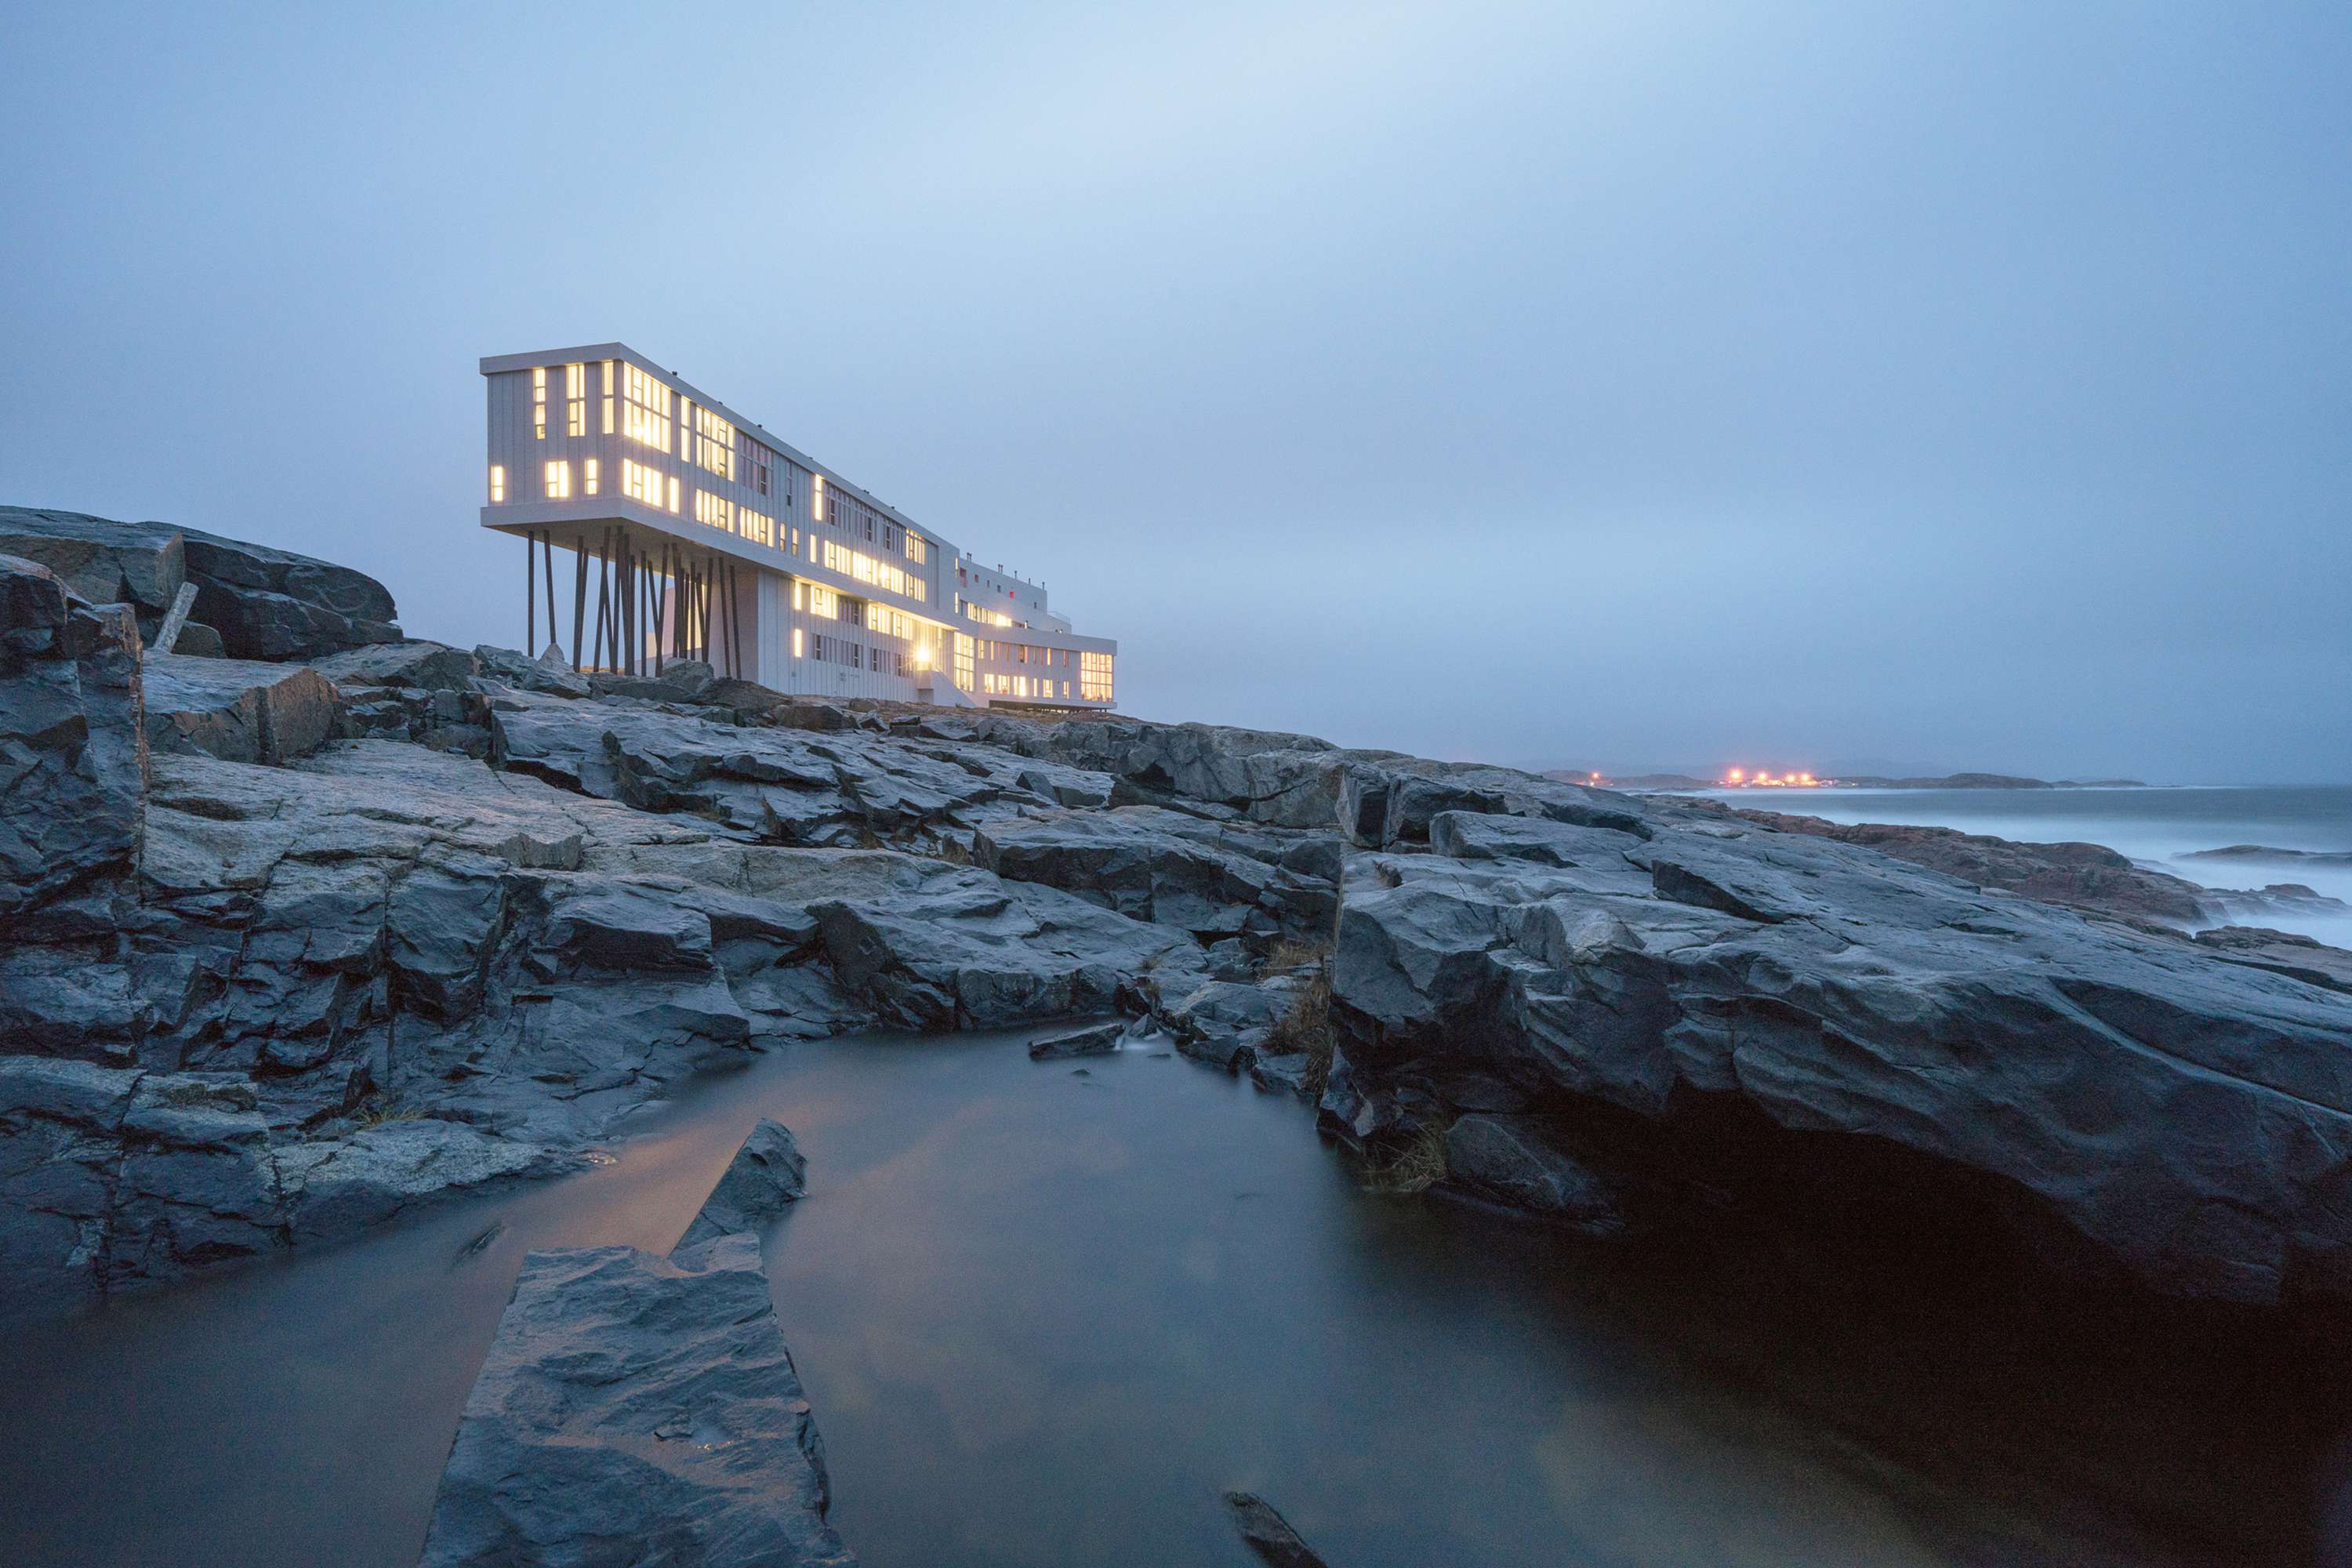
<point x="691" y="532"/>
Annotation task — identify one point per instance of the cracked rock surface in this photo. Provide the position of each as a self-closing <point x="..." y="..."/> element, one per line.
<point x="420" y="918"/>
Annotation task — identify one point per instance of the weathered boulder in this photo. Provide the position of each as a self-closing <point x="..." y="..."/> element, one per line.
<point x="410" y="664"/>
<point x="73" y="746"/>
<point x="1508" y="1158"/>
<point x="633" y="1410"/>
<point x="1209" y="877"/>
<point x="767" y="1177"/>
<point x="2190" y="1117"/>
<point x="99" y="560"/>
<point x="275" y="605"/>
<point x="199" y="640"/>
<point x="237" y="711"/>
<point x="263" y="603"/>
<point x="974" y="952"/>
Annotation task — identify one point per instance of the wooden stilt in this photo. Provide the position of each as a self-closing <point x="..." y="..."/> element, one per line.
<point x="579" y="597"/>
<point x="530" y="594"/>
<point x="734" y="622"/>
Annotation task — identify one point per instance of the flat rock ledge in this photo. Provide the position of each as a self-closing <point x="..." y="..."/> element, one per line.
<point x="639" y="1410"/>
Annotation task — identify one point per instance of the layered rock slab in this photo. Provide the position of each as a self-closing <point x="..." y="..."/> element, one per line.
<point x="636" y="1410"/>
<point x="2192" y="1118"/>
<point x="767" y="1177"/>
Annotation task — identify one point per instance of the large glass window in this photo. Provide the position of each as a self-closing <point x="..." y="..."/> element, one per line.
<point x="649" y="484"/>
<point x="716" y="511"/>
<point x="575" y="400"/>
<point x="646" y="405"/>
<point x="559" y="481"/>
<point x="714" y="443"/>
<point x="538" y="403"/>
<point x="1095" y="675"/>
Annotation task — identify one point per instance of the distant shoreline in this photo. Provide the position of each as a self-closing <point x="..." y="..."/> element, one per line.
<point x="1680" y="784"/>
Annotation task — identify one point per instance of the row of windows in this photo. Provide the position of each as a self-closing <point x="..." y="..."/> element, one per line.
<point x="865" y="568"/>
<point x="644" y="483"/>
<point x="1036" y="687"/>
<point x="714" y="443"/>
<point x="849" y="651"/>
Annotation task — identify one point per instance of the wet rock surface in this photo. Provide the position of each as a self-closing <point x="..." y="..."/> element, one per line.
<point x="637" y="1409"/>
<point x="266" y="991"/>
<point x="2079" y="875"/>
<point x="766" y="1177"/>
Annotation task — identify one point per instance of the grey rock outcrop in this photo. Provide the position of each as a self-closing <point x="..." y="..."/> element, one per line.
<point x="73" y="742"/>
<point x="237" y="711"/>
<point x="263" y="984"/>
<point x="1213" y="879"/>
<point x="767" y="1177"/>
<point x="262" y="604"/>
<point x="633" y="1409"/>
<point x="2188" y="1117"/>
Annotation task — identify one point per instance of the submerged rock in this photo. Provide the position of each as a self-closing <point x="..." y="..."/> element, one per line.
<point x="633" y="1410"/>
<point x="767" y="1175"/>
<point x="1098" y="1041"/>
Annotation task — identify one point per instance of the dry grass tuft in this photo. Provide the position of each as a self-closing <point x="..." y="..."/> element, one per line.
<point x="382" y="1112"/>
<point x="1307" y="1026"/>
<point x="1415" y="1167"/>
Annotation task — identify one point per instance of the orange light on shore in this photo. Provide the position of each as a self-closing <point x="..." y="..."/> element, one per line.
<point x="1765" y="778"/>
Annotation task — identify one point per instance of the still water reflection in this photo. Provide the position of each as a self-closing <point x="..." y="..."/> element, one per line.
<point x="1045" y="1316"/>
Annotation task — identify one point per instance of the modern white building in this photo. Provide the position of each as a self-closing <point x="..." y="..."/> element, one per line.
<point x="694" y="532"/>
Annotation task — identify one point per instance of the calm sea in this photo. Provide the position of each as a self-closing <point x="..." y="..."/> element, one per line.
<point x="2155" y="827"/>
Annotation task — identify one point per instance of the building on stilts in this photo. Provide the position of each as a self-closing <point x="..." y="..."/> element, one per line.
<point x="686" y="532"/>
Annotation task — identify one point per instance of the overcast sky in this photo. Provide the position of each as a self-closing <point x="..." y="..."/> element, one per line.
<point x="1934" y="385"/>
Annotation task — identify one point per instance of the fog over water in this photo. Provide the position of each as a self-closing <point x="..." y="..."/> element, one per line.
<point x="1965" y="387"/>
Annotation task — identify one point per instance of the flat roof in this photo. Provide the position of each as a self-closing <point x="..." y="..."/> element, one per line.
<point x="499" y="364"/>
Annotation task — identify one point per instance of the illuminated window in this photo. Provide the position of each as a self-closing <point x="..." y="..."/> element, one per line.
<point x="498" y="482"/>
<point x="639" y="482"/>
<point x="538" y="403"/>
<point x="816" y="498"/>
<point x="559" y="481"/>
<point x="717" y="511"/>
<point x="575" y="400"/>
<point x="608" y="397"/>
<point x="866" y="569"/>
<point x="916" y="550"/>
<point x="756" y="526"/>
<point x="646" y="405"/>
<point x="673" y="494"/>
<point x="1095" y="675"/>
<point x="964" y="662"/>
<point x="824" y="601"/>
<point x="590" y="476"/>
<point x="797" y="642"/>
<point x="714" y="443"/>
